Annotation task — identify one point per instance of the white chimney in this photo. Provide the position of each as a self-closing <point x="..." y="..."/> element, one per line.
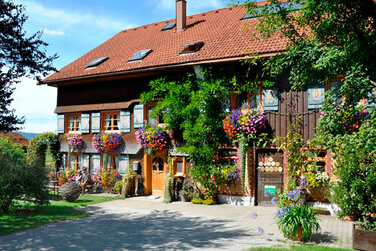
<point x="181" y="15"/>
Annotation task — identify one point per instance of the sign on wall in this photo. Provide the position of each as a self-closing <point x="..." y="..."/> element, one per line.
<point x="270" y="190"/>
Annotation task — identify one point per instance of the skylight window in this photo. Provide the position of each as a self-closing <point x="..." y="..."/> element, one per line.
<point x="273" y="8"/>
<point x="191" y="47"/>
<point x="140" y="55"/>
<point x="96" y="62"/>
<point x="169" y="26"/>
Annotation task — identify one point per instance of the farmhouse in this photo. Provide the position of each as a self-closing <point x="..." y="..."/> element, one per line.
<point x="100" y="91"/>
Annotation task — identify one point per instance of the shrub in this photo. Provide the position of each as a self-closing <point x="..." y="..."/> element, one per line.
<point x="291" y="220"/>
<point x="169" y="183"/>
<point x="197" y="201"/>
<point x="208" y="202"/>
<point x="118" y="185"/>
<point x="127" y="183"/>
<point x="18" y="179"/>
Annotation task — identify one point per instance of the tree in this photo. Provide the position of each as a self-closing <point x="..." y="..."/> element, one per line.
<point x="20" y="56"/>
<point x="324" y="39"/>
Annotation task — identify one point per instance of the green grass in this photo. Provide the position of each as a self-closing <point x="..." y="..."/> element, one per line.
<point x="31" y="216"/>
<point x="299" y="248"/>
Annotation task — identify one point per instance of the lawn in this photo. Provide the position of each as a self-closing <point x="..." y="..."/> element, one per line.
<point x="299" y="248"/>
<point x="32" y="216"/>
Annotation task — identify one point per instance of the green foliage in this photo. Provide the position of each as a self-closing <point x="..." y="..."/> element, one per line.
<point x="18" y="178"/>
<point x="355" y="190"/>
<point x="197" y="201"/>
<point x="184" y="190"/>
<point x="196" y="110"/>
<point x="208" y="202"/>
<point x="324" y="39"/>
<point x="169" y="182"/>
<point x="298" y="217"/>
<point x="118" y="186"/>
<point x="127" y="183"/>
<point x="38" y="147"/>
<point x="21" y="55"/>
<point x="243" y="151"/>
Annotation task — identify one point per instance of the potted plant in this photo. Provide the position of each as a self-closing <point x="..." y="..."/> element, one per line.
<point x="153" y="138"/>
<point x="106" y="142"/>
<point x="183" y="193"/>
<point x="118" y="187"/>
<point x="297" y="222"/>
<point x="75" y="141"/>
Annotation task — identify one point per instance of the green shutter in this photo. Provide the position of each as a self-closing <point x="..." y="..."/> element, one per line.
<point x="95" y="122"/>
<point x="125" y="121"/>
<point x="123" y="164"/>
<point x="316" y="95"/>
<point x="85" y="123"/>
<point x="60" y="123"/>
<point x="138" y="116"/>
<point x="270" y="99"/>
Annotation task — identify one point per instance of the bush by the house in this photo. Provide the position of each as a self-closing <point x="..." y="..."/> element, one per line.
<point x="18" y="179"/>
<point x="106" y="178"/>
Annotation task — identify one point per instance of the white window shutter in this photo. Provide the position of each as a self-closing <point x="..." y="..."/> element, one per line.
<point x="85" y="123"/>
<point x="138" y="116"/>
<point x="95" y="122"/>
<point x="125" y="121"/>
<point x="60" y="123"/>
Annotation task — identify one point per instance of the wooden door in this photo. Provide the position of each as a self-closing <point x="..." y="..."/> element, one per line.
<point x="269" y="175"/>
<point x="158" y="172"/>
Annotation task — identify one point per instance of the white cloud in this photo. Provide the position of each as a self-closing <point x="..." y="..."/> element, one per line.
<point x="53" y="32"/>
<point x="37" y="104"/>
<point x="193" y="6"/>
<point x="64" y="19"/>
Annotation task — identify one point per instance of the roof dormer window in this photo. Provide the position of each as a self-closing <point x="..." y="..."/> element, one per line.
<point x="96" y="62"/>
<point x="169" y="26"/>
<point x="191" y="47"/>
<point x="140" y="55"/>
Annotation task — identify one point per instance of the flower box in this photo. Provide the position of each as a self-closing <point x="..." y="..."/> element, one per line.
<point x="317" y="195"/>
<point x="364" y="239"/>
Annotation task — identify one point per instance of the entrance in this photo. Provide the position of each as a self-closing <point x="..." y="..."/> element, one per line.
<point x="269" y="175"/>
<point x="156" y="170"/>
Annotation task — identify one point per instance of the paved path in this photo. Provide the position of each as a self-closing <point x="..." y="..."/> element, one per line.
<point x="147" y="224"/>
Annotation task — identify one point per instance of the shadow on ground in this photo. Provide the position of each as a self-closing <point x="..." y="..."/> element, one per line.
<point x="133" y="231"/>
<point x="324" y="238"/>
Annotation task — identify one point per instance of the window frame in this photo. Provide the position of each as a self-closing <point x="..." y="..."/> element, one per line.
<point x="184" y="168"/>
<point x="228" y="158"/>
<point x="103" y="120"/>
<point x="67" y="123"/>
<point x="146" y="113"/>
<point x="77" y="163"/>
<point x="234" y="96"/>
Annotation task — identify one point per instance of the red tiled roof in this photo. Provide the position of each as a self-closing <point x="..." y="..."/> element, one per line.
<point x="221" y="30"/>
<point x="15" y="138"/>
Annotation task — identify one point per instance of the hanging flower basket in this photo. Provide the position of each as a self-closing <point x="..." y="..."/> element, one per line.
<point x="153" y="138"/>
<point x="106" y="142"/>
<point x="75" y="141"/>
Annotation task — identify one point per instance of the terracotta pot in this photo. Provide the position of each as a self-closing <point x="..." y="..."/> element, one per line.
<point x="364" y="239"/>
<point x="349" y="218"/>
<point x="119" y="192"/>
<point x="299" y="235"/>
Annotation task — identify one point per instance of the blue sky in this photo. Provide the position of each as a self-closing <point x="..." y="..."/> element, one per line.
<point x="72" y="28"/>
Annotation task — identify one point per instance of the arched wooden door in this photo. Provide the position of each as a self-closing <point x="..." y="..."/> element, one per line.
<point x="157" y="169"/>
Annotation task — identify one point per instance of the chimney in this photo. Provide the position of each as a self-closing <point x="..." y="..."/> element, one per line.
<point x="181" y="15"/>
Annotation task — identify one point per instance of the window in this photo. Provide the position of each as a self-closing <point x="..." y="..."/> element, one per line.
<point x="75" y="160"/>
<point x="227" y="156"/>
<point x="113" y="160"/>
<point x="169" y="26"/>
<point x="96" y="62"/>
<point x="158" y="164"/>
<point x="74" y="122"/>
<point x="246" y="101"/>
<point x="140" y="55"/>
<point x="180" y="166"/>
<point x="111" y="121"/>
<point x="191" y="47"/>
<point x="159" y="119"/>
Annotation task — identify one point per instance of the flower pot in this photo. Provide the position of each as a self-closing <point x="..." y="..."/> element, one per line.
<point x="321" y="211"/>
<point x="349" y="218"/>
<point x="119" y="192"/>
<point x="364" y="239"/>
<point x="299" y="235"/>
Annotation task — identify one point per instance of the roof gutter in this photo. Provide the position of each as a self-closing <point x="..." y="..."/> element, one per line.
<point x="105" y="76"/>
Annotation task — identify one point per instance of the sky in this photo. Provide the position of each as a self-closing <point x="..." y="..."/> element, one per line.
<point x="72" y="28"/>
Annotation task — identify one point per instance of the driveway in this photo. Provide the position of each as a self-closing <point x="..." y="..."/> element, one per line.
<point x="142" y="223"/>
